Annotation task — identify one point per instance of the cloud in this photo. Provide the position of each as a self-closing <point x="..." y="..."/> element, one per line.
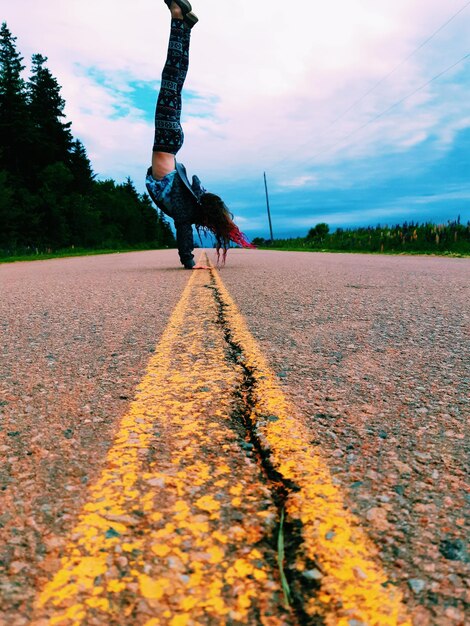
<point x="272" y="87"/>
<point x="299" y="181"/>
<point x="457" y="194"/>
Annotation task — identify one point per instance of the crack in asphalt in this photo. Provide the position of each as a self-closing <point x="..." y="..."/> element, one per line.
<point x="299" y="587"/>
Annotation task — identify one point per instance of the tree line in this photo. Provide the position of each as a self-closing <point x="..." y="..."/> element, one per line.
<point x="411" y="237"/>
<point x="49" y="196"/>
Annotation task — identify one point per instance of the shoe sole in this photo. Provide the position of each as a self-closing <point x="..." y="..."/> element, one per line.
<point x="191" y="18"/>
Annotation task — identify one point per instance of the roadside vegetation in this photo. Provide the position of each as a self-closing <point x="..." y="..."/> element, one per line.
<point x="50" y="201"/>
<point x="452" y="238"/>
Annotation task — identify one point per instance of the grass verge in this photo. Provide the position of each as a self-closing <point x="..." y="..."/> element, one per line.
<point x="458" y="255"/>
<point x="60" y="254"/>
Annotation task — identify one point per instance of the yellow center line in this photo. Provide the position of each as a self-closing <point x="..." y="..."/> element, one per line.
<point x="180" y="527"/>
<point x="177" y="528"/>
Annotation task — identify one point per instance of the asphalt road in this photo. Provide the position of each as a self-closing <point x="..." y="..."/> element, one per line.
<point x="373" y="350"/>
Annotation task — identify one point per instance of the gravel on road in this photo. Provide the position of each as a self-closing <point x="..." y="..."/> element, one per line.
<point x="375" y="351"/>
<point x="76" y="335"/>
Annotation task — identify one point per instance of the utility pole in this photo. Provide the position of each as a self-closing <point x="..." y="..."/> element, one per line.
<point x="267" y="205"/>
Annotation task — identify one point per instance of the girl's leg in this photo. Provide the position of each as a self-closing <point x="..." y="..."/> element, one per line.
<point x="168" y="131"/>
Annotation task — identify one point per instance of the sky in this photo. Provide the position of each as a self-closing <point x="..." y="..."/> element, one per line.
<point x="357" y="110"/>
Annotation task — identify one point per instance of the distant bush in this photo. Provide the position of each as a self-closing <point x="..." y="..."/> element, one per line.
<point x="318" y="233"/>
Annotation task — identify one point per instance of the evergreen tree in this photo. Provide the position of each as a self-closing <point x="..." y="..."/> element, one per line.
<point x="8" y="234"/>
<point x="53" y="198"/>
<point x="52" y="137"/>
<point x="129" y="188"/>
<point x="81" y="169"/>
<point x="15" y="128"/>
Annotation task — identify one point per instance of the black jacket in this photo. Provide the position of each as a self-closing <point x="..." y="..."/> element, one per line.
<point x="184" y="198"/>
<point x="196" y="188"/>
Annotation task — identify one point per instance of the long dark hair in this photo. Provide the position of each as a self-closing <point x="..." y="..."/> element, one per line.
<point x="213" y="216"/>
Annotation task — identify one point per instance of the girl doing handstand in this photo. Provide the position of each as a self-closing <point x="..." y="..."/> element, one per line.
<point x="167" y="182"/>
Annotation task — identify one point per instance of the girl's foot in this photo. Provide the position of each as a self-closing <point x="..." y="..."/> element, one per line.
<point x="182" y="10"/>
<point x="176" y="12"/>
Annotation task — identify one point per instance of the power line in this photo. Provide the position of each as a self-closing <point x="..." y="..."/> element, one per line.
<point x="402" y="62"/>
<point x="382" y="80"/>
<point x="395" y="104"/>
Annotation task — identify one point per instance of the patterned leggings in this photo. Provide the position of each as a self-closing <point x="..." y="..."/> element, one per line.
<point x="168" y="131"/>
